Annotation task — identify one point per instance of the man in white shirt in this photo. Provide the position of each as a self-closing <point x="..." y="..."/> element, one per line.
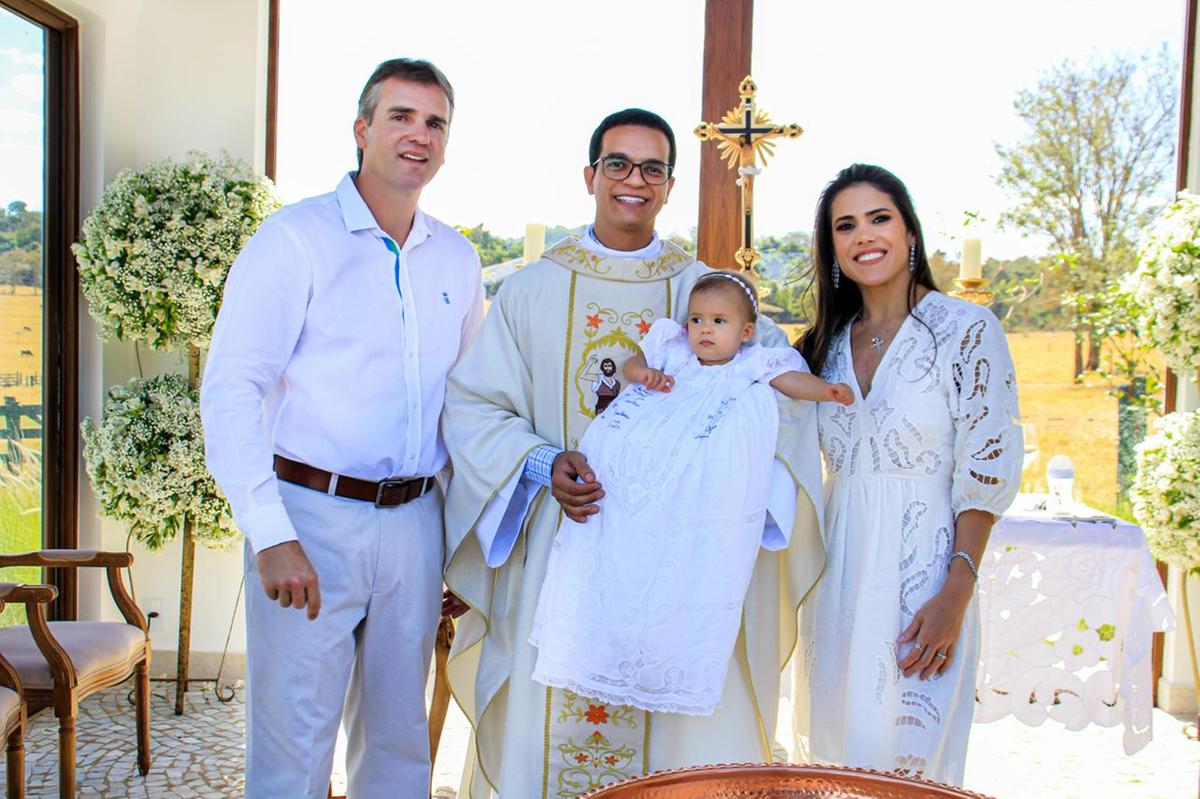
<point x="321" y="403"/>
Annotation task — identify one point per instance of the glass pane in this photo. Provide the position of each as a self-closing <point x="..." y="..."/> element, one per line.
<point x="22" y="166"/>
<point x="529" y="89"/>
<point x="933" y="113"/>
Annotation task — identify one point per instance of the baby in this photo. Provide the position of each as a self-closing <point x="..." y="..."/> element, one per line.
<point x="641" y="604"/>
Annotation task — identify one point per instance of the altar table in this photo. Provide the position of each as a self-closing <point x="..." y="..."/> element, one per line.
<point x="1068" y="608"/>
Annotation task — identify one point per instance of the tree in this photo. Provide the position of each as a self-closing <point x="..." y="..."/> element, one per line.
<point x="1089" y="170"/>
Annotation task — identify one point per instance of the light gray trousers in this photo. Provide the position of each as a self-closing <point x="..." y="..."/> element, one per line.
<point x="380" y="576"/>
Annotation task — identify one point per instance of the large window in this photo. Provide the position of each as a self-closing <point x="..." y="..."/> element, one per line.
<point x="531" y="81"/>
<point x="38" y="307"/>
<point x="930" y="95"/>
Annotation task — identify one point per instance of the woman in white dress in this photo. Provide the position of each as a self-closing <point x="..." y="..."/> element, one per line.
<point x="917" y="471"/>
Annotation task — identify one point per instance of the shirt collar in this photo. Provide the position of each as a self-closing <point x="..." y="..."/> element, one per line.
<point x="357" y="216"/>
<point x="593" y="244"/>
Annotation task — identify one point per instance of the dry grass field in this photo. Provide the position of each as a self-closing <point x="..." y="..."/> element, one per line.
<point x="1078" y="420"/>
<point x="21" y="341"/>
<point x="20" y="485"/>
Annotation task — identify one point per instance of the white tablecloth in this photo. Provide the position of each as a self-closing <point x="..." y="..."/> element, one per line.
<point x="1068" y="610"/>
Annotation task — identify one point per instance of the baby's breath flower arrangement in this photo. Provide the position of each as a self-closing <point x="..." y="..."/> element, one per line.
<point x="155" y="252"/>
<point x="1166" y="503"/>
<point x="1166" y="490"/>
<point x="1165" y="286"/>
<point x="152" y="263"/>
<point x="146" y="463"/>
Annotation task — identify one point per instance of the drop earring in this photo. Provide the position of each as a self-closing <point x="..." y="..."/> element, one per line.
<point x="837" y="275"/>
<point x="912" y="257"/>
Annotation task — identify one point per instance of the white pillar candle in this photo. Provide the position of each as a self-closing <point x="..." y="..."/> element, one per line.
<point x="971" y="267"/>
<point x="535" y="241"/>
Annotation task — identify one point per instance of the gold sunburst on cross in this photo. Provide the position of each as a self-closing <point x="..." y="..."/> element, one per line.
<point x="744" y="138"/>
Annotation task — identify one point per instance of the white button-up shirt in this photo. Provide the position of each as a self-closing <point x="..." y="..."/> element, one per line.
<point x="332" y="348"/>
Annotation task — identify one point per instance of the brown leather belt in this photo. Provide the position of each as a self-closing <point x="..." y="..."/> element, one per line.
<point x="384" y="494"/>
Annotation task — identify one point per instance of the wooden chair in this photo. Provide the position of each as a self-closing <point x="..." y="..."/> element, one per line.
<point x="61" y="662"/>
<point x="12" y="696"/>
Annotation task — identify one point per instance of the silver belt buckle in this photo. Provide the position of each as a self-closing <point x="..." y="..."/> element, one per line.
<point x="384" y="485"/>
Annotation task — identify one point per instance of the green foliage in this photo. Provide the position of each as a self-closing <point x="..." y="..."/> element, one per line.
<point x="492" y="249"/>
<point x="20" y="245"/>
<point x="1092" y="165"/>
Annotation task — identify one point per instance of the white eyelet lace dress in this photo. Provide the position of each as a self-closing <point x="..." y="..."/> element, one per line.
<point x="938" y="434"/>
<point x="642" y="603"/>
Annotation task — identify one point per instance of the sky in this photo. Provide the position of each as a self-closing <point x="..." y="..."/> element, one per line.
<point x="21" y="103"/>
<point x="922" y="87"/>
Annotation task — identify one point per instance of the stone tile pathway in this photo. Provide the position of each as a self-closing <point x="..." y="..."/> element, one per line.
<point x="201" y="754"/>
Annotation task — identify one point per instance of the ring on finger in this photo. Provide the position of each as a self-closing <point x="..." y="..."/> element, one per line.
<point x="940" y="655"/>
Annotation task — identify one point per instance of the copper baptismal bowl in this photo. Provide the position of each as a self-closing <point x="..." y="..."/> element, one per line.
<point x="777" y="781"/>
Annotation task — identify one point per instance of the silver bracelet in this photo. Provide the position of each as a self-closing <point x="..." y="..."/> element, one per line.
<point x="966" y="558"/>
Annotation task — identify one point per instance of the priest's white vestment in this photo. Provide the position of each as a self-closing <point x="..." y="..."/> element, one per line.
<point x="526" y="382"/>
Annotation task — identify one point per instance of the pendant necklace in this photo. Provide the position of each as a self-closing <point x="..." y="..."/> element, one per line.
<point x="876" y="341"/>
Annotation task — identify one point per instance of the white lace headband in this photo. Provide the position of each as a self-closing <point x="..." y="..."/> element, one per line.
<point x="742" y="285"/>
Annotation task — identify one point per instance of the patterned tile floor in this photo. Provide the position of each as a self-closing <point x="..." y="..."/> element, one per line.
<point x="198" y="754"/>
<point x="201" y="753"/>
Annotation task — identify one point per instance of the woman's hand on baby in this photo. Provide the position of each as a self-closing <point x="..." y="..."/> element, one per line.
<point x="657" y="380"/>
<point x="841" y="393"/>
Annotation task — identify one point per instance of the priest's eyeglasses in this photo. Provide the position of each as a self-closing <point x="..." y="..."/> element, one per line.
<point x="616" y="167"/>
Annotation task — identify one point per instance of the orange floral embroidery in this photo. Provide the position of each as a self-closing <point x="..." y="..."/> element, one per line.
<point x="581" y="758"/>
<point x="643" y="327"/>
<point x="596" y="714"/>
<point x="593" y="321"/>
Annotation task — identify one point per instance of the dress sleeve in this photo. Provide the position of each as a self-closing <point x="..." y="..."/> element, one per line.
<point x="769" y="363"/>
<point x="665" y="345"/>
<point x="988" y="445"/>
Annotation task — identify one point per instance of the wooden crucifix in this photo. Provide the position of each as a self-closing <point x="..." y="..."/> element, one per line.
<point x="744" y="138"/>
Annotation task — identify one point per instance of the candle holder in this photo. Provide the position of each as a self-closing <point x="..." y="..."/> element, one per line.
<point x="973" y="289"/>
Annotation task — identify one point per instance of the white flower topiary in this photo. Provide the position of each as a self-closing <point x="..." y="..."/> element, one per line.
<point x="146" y="463"/>
<point x="1166" y="490"/>
<point x="155" y="252"/>
<point x="1165" y="286"/>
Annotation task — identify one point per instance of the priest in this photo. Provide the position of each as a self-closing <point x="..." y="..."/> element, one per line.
<point x="517" y="406"/>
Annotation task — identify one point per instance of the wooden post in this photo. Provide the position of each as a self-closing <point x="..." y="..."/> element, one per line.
<point x="728" y="25"/>
<point x="187" y="572"/>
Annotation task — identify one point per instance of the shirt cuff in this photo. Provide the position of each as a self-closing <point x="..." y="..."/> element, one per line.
<point x="540" y="463"/>
<point x="781" y="509"/>
<point x="266" y="526"/>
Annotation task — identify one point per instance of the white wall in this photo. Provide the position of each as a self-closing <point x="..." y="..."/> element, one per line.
<point x="159" y="78"/>
<point x="1175" y="690"/>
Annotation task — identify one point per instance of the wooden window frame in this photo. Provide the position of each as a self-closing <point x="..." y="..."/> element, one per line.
<point x="60" y="325"/>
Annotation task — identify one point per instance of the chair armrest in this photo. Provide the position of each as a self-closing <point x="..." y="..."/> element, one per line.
<point x="13" y="592"/>
<point x="33" y="597"/>
<point x="113" y="562"/>
<point x="68" y="559"/>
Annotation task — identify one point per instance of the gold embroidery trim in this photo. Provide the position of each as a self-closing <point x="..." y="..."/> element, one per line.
<point x="546" y="759"/>
<point x="567" y="358"/>
<point x="671" y="256"/>
<point x="743" y="650"/>
<point x="582" y="257"/>
<point x="646" y="746"/>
